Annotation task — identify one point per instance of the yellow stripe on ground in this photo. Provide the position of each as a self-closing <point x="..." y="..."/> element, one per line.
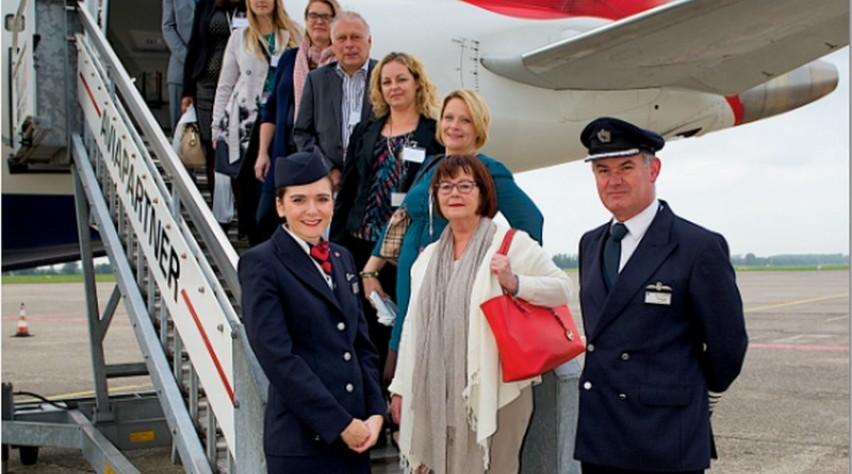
<point x="795" y="303"/>
<point x="89" y="393"/>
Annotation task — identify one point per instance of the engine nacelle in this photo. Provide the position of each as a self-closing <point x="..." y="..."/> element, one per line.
<point x="787" y="92"/>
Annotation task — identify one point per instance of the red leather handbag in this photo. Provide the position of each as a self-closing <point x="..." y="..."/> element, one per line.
<point x="531" y="339"/>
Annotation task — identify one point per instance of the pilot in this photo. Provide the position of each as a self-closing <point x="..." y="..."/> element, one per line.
<point x="662" y="314"/>
<point x="304" y="321"/>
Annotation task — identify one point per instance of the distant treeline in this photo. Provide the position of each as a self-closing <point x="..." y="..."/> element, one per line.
<point x="70" y="268"/>
<point x="751" y="260"/>
<point x="566" y="261"/>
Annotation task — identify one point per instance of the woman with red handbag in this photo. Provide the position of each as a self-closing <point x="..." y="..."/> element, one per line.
<point x="455" y="412"/>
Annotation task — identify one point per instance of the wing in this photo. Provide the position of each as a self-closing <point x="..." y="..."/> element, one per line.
<point x="717" y="46"/>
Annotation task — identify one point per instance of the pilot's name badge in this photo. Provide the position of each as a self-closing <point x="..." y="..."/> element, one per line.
<point x="658" y="293"/>
<point x="413" y="154"/>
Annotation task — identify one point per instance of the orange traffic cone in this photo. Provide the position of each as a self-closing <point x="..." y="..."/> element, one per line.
<point x="23" y="328"/>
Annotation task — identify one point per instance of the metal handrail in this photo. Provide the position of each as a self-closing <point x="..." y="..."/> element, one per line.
<point x="188" y="444"/>
<point x="220" y="248"/>
<point x="249" y="378"/>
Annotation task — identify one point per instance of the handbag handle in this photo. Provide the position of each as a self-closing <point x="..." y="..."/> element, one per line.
<point x="507" y="241"/>
<point x="504" y="250"/>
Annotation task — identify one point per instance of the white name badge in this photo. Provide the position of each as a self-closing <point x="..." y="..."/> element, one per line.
<point x="658" y="297"/>
<point x="413" y="154"/>
<point x="239" y="22"/>
<point x="396" y="199"/>
<point x="273" y="61"/>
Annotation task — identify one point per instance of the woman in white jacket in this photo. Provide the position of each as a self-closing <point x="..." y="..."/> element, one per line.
<point x="245" y="81"/>
<point x="455" y="412"/>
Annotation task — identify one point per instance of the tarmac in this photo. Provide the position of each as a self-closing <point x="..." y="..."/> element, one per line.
<point x="788" y="413"/>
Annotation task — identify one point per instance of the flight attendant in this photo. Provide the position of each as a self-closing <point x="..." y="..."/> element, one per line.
<point x="305" y="323"/>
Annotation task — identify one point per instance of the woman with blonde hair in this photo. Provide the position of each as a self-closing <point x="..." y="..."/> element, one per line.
<point x="383" y="158"/>
<point x="283" y="105"/>
<point x="268" y="25"/>
<point x="463" y="130"/>
<point x="246" y="79"/>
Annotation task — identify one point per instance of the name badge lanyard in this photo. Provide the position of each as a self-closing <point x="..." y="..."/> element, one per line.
<point x="233" y="22"/>
<point x="269" y="51"/>
<point x="272" y="60"/>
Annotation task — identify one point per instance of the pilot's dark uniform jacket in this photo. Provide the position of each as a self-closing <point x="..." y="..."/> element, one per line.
<point x="311" y="339"/>
<point x="669" y="329"/>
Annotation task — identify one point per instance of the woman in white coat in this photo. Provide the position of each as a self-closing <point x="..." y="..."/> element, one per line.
<point x="245" y="81"/>
<point x="455" y="412"/>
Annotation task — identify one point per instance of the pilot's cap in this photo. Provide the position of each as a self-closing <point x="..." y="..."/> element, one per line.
<point x="609" y="137"/>
<point x="303" y="167"/>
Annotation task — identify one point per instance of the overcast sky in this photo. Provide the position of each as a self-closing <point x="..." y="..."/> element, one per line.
<point x="776" y="186"/>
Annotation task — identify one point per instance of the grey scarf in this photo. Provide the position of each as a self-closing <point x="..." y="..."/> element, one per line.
<point x="443" y="440"/>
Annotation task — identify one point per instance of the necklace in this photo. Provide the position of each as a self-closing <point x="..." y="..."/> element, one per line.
<point x="407" y="137"/>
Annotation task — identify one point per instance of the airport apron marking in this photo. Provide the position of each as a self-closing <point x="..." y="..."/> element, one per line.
<point x="794" y="303"/>
<point x="797" y="347"/>
<point x="87" y="393"/>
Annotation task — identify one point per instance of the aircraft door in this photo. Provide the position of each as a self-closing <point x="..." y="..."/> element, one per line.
<point x="134" y="28"/>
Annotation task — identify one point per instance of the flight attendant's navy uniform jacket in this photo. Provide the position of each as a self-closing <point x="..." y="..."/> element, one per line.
<point x="643" y="391"/>
<point x="313" y="345"/>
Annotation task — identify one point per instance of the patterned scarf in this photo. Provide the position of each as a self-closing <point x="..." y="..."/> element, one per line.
<point x="444" y="440"/>
<point x="308" y="58"/>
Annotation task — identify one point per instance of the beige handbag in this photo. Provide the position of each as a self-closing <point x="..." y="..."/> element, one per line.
<point x="394" y="233"/>
<point x="191" y="152"/>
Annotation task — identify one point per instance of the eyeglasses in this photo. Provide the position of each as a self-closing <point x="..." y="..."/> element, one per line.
<point x="319" y="16"/>
<point x="464" y="187"/>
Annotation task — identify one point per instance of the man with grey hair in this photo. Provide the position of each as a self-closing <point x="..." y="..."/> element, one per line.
<point x="336" y="96"/>
<point x="662" y="314"/>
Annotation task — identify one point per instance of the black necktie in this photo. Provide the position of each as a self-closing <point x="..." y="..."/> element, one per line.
<point x="319" y="253"/>
<point x="612" y="253"/>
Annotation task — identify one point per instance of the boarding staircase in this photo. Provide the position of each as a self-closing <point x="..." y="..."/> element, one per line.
<point x="176" y="274"/>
